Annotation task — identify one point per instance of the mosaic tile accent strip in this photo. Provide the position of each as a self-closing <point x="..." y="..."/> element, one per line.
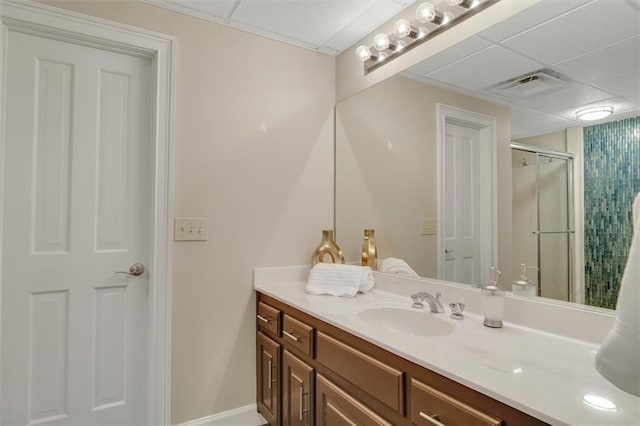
<point x="611" y="182"/>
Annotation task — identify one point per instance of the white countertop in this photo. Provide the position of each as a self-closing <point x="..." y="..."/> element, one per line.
<point x="539" y="373"/>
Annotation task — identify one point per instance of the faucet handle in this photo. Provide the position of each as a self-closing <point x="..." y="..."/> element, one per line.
<point x="417" y="301"/>
<point x="456" y="310"/>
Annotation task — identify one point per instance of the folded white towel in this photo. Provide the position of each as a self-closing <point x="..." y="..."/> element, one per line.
<point x="393" y="265"/>
<point x="618" y="359"/>
<point x="337" y="279"/>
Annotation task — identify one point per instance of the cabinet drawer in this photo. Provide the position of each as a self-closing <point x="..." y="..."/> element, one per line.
<point x="297" y="334"/>
<point x="268" y="318"/>
<point x="429" y="406"/>
<point x="336" y="407"/>
<point x="381" y="381"/>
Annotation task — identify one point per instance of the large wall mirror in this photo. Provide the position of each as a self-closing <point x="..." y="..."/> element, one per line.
<point x="475" y="157"/>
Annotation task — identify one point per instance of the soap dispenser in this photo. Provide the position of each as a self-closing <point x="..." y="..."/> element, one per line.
<point x="493" y="300"/>
<point x="524" y="286"/>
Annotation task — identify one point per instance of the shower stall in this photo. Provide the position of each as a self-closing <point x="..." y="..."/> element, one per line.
<point x="543" y="229"/>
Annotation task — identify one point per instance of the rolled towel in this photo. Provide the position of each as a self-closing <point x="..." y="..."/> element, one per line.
<point x="393" y="265"/>
<point x="618" y="359"/>
<point x="337" y="279"/>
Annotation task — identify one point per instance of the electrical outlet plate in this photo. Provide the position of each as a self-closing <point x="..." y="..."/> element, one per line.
<point x="191" y="229"/>
<point x="428" y="227"/>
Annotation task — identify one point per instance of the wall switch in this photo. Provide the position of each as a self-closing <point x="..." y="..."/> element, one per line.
<point x="191" y="229"/>
<point x="429" y="227"/>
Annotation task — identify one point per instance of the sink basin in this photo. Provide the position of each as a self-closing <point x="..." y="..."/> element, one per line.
<point x="407" y="322"/>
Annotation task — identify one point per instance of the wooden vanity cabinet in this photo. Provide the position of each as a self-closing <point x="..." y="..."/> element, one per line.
<point x="328" y="377"/>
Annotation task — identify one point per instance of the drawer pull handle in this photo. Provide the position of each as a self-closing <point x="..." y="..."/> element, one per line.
<point x="291" y="336"/>
<point x="271" y="365"/>
<point x="264" y="319"/>
<point x="302" y="395"/>
<point x="433" y="419"/>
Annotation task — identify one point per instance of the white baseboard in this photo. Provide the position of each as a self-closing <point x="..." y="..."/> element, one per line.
<point x="242" y="416"/>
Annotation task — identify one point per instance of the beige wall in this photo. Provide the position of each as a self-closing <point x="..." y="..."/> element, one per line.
<point x="253" y="151"/>
<point x="386" y="154"/>
<point x="556" y="141"/>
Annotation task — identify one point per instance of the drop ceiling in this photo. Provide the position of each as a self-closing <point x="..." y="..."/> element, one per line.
<point x="594" y="45"/>
<point x="326" y="26"/>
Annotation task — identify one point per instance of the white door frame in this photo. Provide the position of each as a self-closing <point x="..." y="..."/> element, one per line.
<point x="488" y="196"/>
<point x="59" y="24"/>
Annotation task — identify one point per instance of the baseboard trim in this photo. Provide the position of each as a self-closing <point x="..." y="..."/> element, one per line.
<point x="227" y="416"/>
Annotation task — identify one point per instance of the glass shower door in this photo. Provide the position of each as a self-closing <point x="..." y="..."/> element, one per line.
<point x="555" y="227"/>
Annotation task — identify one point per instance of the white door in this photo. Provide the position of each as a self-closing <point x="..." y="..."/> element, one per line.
<point x="462" y="207"/>
<point x="77" y="209"/>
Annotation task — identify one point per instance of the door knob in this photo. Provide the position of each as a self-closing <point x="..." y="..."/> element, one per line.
<point x="449" y="251"/>
<point x="135" y="270"/>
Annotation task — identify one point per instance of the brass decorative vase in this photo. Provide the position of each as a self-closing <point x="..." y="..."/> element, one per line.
<point x="369" y="250"/>
<point x="329" y="247"/>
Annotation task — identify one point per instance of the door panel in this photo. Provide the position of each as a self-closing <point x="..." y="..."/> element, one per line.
<point x="462" y="214"/>
<point x="77" y="208"/>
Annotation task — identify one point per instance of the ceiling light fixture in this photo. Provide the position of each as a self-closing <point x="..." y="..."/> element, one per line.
<point x="429" y="22"/>
<point x="467" y="4"/>
<point x="594" y="113"/>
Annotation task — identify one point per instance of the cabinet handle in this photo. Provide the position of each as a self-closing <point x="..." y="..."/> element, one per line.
<point x="263" y="319"/>
<point x="431" y="419"/>
<point x="271" y="365"/>
<point x="290" y="336"/>
<point x="302" y="395"/>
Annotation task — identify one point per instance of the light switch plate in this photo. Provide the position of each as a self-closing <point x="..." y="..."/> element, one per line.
<point x="191" y="229"/>
<point x="428" y="227"/>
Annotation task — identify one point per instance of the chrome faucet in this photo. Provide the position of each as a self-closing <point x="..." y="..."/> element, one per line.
<point x="434" y="302"/>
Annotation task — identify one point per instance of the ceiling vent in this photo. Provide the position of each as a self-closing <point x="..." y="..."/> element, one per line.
<point x="530" y="85"/>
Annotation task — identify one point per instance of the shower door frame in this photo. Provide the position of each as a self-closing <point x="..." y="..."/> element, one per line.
<point x="571" y="212"/>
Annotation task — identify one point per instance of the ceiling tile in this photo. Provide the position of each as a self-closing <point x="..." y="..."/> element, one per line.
<point x="530" y="17"/>
<point x="310" y="21"/>
<point x="538" y="124"/>
<point x="626" y="84"/>
<point x="572" y="97"/>
<point x="373" y="17"/>
<point x="452" y="54"/>
<point x="586" y="28"/>
<point x="485" y="68"/>
<point x="601" y="62"/>
<point x="218" y="8"/>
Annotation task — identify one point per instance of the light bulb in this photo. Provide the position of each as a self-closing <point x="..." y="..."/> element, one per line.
<point x="427" y="13"/>
<point x="381" y="42"/>
<point x="402" y="28"/>
<point x="363" y="52"/>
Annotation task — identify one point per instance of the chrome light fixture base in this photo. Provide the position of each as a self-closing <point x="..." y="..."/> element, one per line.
<point x="409" y="34"/>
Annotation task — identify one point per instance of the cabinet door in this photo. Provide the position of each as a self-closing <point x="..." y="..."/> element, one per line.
<point x="297" y="391"/>
<point x="335" y="407"/>
<point x="268" y="369"/>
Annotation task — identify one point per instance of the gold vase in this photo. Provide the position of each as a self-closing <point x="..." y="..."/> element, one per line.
<point x="369" y="250"/>
<point x="328" y="246"/>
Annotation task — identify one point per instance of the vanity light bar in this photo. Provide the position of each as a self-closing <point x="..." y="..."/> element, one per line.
<point x="408" y="34"/>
